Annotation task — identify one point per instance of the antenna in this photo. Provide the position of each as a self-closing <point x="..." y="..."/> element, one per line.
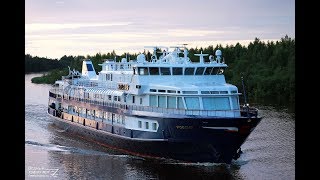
<point x="245" y="96"/>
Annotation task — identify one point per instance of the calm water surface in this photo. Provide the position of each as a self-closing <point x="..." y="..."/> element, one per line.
<point x="52" y="153"/>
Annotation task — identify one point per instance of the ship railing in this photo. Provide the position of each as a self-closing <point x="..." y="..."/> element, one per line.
<point x="188" y="112"/>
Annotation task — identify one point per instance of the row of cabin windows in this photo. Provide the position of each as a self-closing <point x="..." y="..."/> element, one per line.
<point x="97" y="115"/>
<point x="146" y="125"/>
<point x="118" y="66"/>
<point x="101" y="96"/>
<point x="179" y="70"/>
<point x="193" y="103"/>
<point x="115" y="98"/>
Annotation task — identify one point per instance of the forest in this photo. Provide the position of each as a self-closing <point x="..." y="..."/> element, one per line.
<point x="268" y="68"/>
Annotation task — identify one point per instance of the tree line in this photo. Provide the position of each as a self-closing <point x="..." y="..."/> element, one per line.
<point x="268" y="68"/>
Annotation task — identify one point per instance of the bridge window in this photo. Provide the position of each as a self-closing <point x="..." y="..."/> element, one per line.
<point x="189" y="71"/>
<point x="199" y="70"/>
<point x="216" y="103"/>
<point x="153" y="101"/>
<point x="143" y="71"/>
<point x="189" y="92"/>
<point x="176" y="71"/>
<point x="161" y="90"/>
<point x="192" y="103"/>
<point x="180" y="103"/>
<point x="172" y="91"/>
<point x="165" y="71"/>
<point x="154" y="70"/>
<point x="235" y="102"/>
<point x="162" y="101"/>
<point x="153" y="90"/>
<point x="172" y="102"/>
<point x="208" y="71"/>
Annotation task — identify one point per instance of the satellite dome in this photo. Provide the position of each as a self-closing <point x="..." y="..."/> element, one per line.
<point x="218" y="52"/>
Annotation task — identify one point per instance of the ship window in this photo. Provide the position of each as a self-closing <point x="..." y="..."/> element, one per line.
<point x="161" y="90"/>
<point x="139" y="124"/>
<point x="172" y="91"/>
<point x="235" y="102"/>
<point x="189" y="92"/>
<point x="153" y="90"/>
<point x="143" y="71"/>
<point x="199" y="70"/>
<point x="208" y="71"/>
<point x="115" y="98"/>
<point x="118" y="118"/>
<point x="109" y="97"/>
<point x="180" y="103"/>
<point x="162" y="101"/>
<point x="89" y="67"/>
<point x="233" y="92"/>
<point x="153" y="101"/>
<point x="105" y="115"/>
<point x="214" y="71"/>
<point x="113" y="117"/>
<point x="205" y="92"/>
<point x="214" y="92"/>
<point x="192" y="103"/>
<point x="223" y="92"/>
<point x="83" y="111"/>
<point x="140" y="100"/>
<point x="165" y="71"/>
<point x="171" y="102"/>
<point x="189" y="71"/>
<point x="216" y="103"/>
<point x="176" y="71"/>
<point x="119" y="98"/>
<point x="154" y="126"/>
<point x="147" y="125"/>
<point x="123" y="119"/>
<point x="133" y="99"/>
<point x="109" y="116"/>
<point x="154" y="70"/>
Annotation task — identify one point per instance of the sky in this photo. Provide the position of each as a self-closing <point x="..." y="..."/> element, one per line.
<point x="54" y="28"/>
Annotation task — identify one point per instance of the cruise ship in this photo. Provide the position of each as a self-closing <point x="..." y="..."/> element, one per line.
<point x="164" y="107"/>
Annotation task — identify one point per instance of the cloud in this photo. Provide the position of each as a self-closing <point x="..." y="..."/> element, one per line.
<point x="38" y="27"/>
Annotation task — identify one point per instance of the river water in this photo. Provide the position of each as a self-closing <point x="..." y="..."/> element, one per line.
<point x="52" y="153"/>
